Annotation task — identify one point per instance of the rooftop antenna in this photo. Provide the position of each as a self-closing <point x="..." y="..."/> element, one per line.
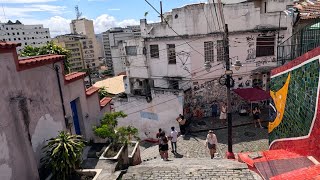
<point x="78" y="13"/>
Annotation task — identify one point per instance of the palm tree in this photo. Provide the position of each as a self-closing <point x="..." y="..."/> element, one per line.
<point x="63" y="155"/>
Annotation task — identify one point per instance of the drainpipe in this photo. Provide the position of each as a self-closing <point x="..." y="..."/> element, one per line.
<point x="56" y="67"/>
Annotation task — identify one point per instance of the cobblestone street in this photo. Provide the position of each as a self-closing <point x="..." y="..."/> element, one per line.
<point x="245" y="138"/>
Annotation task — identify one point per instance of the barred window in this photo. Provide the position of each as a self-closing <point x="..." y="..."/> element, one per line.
<point x="154" y="51"/>
<point x="131" y="50"/>
<point x="173" y="84"/>
<point x="208" y="51"/>
<point x="265" y="46"/>
<point x="171" y="50"/>
<point x="220" y="50"/>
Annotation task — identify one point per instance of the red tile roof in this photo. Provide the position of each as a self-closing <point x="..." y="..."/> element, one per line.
<point x="91" y="90"/>
<point x="47" y="59"/>
<point x="74" y="76"/>
<point x="6" y="45"/>
<point x="122" y="73"/>
<point x="104" y="101"/>
<point x="310" y="11"/>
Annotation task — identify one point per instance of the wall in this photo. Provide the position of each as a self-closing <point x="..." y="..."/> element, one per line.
<point x="161" y="112"/>
<point x="30" y="113"/>
<point x="295" y="93"/>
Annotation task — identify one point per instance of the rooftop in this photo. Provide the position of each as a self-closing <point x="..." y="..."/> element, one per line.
<point x="310" y="11"/>
<point x="8" y="45"/>
<point x="74" y="76"/>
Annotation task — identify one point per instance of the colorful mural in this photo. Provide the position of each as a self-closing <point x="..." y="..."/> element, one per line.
<point x="295" y="94"/>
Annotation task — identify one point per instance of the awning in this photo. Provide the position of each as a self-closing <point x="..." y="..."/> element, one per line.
<point x="253" y="94"/>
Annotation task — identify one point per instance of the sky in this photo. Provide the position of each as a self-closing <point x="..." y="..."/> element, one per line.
<point x="57" y="14"/>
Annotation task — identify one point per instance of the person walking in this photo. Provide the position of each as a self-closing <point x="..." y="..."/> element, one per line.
<point x="256" y="116"/>
<point x="174" y="137"/>
<point x="223" y="114"/>
<point x="158" y="136"/>
<point x="164" y="146"/>
<point x="211" y="143"/>
<point x="182" y="124"/>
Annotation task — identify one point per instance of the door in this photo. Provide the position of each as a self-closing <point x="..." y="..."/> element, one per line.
<point x="75" y="117"/>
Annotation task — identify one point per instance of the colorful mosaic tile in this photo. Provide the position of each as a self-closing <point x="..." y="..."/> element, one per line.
<point x="301" y="101"/>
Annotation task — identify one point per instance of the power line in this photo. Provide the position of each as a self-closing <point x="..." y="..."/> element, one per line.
<point x="215" y="9"/>
<point x="170" y="26"/>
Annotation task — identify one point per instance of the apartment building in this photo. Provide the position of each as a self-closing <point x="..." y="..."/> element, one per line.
<point x="73" y="43"/>
<point x="32" y="35"/>
<point x="92" y="55"/>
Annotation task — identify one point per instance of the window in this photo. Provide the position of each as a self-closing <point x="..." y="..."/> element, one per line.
<point x="220" y="50"/>
<point x="19" y="38"/>
<point x="23" y="33"/>
<point x="171" y="51"/>
<point x="208" y="51"/>
<point x="154" y="51"/>
<point x="131" y="50"/>
<point x="173" y="84"/>
<point x="25" y="43"/>
<point x="32" y="37"/>
<point x="8" y="34"/>
<point x="13" y="34"/>
<point x="17" y="33"/>
<point x="265" y="46"/>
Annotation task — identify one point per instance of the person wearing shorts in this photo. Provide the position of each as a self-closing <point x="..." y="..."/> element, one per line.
<point x="211" y="143"/>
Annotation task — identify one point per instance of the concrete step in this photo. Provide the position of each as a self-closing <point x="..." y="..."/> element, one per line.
<point x="190" y="168"/>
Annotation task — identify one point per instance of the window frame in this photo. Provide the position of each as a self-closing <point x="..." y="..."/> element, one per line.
<point x="171" y="53"/>
<point x="220" y="50"/>
<point x="208" y="47"/>
<point x="154" y="52"/>
<point x="265" y="46"/>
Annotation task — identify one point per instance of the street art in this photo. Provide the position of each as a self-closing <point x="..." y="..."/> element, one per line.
<point x="295" y="94"/>
<point x="205" y="98"/>
<point x="251" y="55"/>
<point x="264" y="61"/>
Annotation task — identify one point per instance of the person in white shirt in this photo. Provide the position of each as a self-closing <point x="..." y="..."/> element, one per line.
<point x="174" y="137"/>
<point x="212" y="143"/>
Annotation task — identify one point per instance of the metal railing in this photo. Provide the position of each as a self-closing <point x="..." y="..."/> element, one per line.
<point x="299" y="43"/>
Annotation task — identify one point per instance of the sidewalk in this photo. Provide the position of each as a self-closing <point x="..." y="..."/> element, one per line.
<point x="214" y="123"/>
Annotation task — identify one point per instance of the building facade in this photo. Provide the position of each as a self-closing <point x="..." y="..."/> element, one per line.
<point x="113" y="40"/>
<point x="32" y="35"/>
<point x="72" y="43"/>
<point x="90" y="45"/>
<point x="34" y="109"/>
<point x="171" y="54"/>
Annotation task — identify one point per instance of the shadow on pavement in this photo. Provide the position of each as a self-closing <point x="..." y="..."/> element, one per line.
<point x="177" y="155"/>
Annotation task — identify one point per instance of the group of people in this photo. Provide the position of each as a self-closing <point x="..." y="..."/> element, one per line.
<point x="255" y="113"/>
<point x="163" y="142"/>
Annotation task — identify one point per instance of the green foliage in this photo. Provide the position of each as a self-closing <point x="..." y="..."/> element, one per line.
<point x="49" y="48"/>
<point x="125" y="134"/>
<point x="107" y="129"/>
<point x="103" y="92"/>
<point x="63" y="155"/>
<point x="107" y="73"/>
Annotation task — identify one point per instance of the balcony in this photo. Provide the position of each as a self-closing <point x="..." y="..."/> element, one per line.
<point x="299" y="43"/>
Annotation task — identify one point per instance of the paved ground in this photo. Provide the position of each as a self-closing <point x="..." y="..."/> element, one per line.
<point x="245" y="138"/>
<point x="191" y="169"/>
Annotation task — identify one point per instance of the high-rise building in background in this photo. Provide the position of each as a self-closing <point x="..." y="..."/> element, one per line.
<point x="92" y="56"/>
<point x="33" y="35"/>
<point x="113" y="40"/>
<point x="73" y="43"/>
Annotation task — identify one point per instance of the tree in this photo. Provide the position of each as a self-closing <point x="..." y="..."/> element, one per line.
<point x="108" y="125"/>
<point x="63" y="155"/>
<point x="49" y="48"/>
<point x="103" y="92"/>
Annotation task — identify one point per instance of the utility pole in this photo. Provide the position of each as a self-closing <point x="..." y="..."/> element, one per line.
<point x="161" y="14"/>
<point x="229" y="82"/>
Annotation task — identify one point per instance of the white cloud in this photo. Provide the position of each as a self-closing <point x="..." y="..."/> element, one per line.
<point x="26" y="1"/>
<point x="25" y="11"/>
<point x="56" y="24"/>
<point x="105" y="22"/>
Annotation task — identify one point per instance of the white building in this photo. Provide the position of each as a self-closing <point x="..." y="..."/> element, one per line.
<point x="113" y="46"/>
<point x="90" y="45"/>
<point x="33" y="35"/>
<point x="170" y="57"/>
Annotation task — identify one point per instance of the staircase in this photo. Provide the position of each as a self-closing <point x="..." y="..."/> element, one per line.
<point x="191" y="168"/>
<point x="299" y="43"/>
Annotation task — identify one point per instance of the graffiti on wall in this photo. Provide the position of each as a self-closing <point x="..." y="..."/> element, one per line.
<point x="205" y="98"/>
<point x="149" y="115"/>
<point x="264" y="61"/>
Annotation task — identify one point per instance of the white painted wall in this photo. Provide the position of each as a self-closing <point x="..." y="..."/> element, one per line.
<point x="162" y="110"/>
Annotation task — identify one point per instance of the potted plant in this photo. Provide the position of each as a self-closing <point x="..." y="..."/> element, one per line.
<point x="63" y="156"/>
<point x="107" y="130"/>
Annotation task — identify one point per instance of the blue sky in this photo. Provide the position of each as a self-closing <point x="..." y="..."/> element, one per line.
<point x="57" y="14"/>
